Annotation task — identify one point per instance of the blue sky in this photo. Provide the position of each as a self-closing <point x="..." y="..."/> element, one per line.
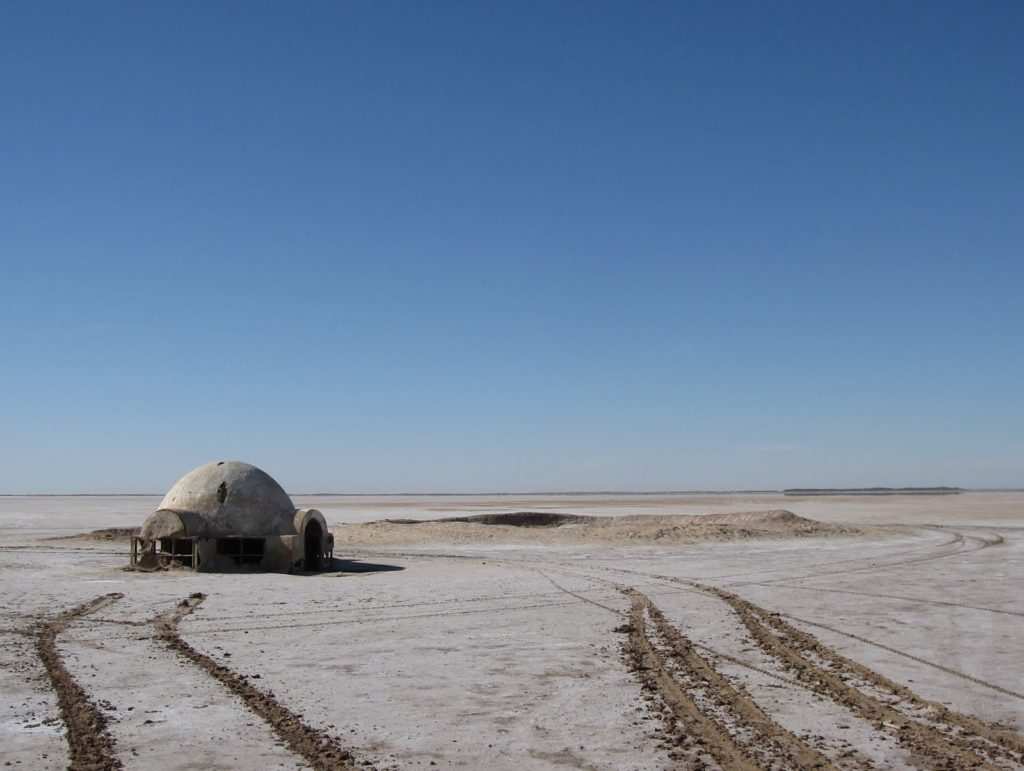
<point x="383" y="246"/>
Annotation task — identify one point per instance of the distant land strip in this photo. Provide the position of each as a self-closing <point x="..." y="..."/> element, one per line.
<point x="873" y="491"/>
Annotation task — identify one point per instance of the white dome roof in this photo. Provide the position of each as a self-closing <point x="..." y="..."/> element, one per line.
<point x="226" y="498"/>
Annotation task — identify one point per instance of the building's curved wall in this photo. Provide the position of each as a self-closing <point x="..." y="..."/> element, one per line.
<point x="230" y="498"/>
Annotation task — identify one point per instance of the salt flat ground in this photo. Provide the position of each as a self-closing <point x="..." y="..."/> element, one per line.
<point x="510" y="655"/>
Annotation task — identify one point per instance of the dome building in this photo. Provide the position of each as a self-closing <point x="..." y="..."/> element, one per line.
<point x="230" y="516"/>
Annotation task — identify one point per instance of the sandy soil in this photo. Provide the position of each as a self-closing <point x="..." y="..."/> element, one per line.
<point x="889" y="636"/>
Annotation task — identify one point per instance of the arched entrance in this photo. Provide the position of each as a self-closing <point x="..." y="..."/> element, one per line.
<point x="313" y="544"/>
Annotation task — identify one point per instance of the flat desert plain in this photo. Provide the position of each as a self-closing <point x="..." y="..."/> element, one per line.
<point x="779" y="632"/>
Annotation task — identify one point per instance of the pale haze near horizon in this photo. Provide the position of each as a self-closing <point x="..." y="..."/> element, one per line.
<point x="377" y="248"/>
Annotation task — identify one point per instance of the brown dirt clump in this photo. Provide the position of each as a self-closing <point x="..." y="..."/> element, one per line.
<point x="90" y="745"/>
<point x="321" y="750"/>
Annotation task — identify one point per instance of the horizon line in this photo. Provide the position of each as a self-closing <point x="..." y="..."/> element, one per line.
<point x="420" y="494"/>
<point x="492" y="493"/>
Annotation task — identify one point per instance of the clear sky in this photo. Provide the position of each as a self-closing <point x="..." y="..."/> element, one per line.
<point x="440" y="246"/>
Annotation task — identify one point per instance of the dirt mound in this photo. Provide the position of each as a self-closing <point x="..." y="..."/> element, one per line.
<point x="103" y="534"/>
<point x="522" y="519"/>
<point x="738" y="517"/>
<point x="555" y="528"/>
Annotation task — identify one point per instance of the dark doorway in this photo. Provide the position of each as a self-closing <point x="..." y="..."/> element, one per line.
<point x="314" y="544"/>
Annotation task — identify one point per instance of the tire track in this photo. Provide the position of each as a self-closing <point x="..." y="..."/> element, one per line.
<point x="707" y="649"/>
<point x="936" y="734"/>
<point x="918" y="659"/>
<point x="928" y="549"/>
<point x="200" y="631"/>
<point x="717" y="717"/>
<point x="321" y="750"/>
<point x="947" y="738"/>
<point x="770" y="745"/>
<point x="919" y="600"/>
<point x="90" y="745"/>
<point x="699" y="729"/>
<point x="953" y="547"/>
<point x="361" y="609"/>
<point x="693" y="587"/>
<point x="960" y="540"/>
<point x="770" y="738"/>
<point x="580" y="597"/>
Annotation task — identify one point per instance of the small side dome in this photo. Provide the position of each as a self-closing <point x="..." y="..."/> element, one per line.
<point x="225" y="498"/>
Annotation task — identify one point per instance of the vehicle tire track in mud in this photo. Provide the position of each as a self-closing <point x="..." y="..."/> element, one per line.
<point x="379" y="619"/>
<point x="707" y="649"/>
<point x="700" y="730"/>
<point x="90" y="745"/>
<point x="200" y="631"/>
<point x="914" y="551"/>
<point x="765" y="744"/>
<point x="321" y="750"/>
<point x="750" y="712"/>
<point x="919" y="600"/>
<point x="921" y="553"/>
<point x="978" y="544"/>
<point x="995" y="539"/>
<point x="948" y="739"/>
<point x="687" y="585"/>
<point x="338" y="608"/>
<point x="912" y="657"/>
<point x="580" y="597"/>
